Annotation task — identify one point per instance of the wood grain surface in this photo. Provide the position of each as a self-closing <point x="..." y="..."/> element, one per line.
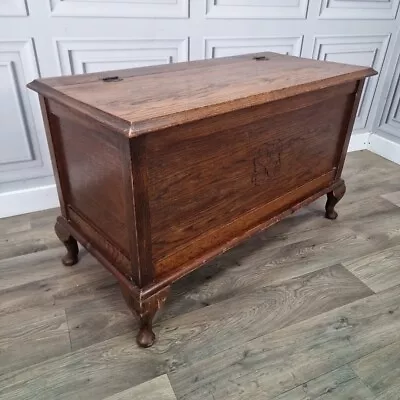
<point x="380" y="270"/>
<point x="232" y="147"/>
<point x="393" y="197"/>
<point x="340" y="384"/>
<point x="267" y="158"/>
<point x="281" y="360"/>
<point x="380" y="371"/>
<point x="43" y="329"/>
<point x="156" y="98"/>
<point x="93" y="177"/>
<point x="157" y="389"/>
<point x="28" y="233"/>
<point x="304" y="325"/>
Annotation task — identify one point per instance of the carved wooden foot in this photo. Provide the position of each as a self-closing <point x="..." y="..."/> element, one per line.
<point x="71" y="258"/>
<point x="145" y="310"/>
<point x="333" y="198"/>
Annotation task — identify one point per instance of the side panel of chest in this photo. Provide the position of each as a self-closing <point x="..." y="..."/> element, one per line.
<point x="91" y="171"/>
<point x="212" y="180"/>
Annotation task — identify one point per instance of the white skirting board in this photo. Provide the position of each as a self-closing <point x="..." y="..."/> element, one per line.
<point x="375" y="143"/>
<point x="389" y="149"/>
<point x="359" y="141"/>
<point x="28" y="200"/>
<point x="45" y="197"/>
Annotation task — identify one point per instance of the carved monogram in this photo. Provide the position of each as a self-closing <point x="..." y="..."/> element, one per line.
<point x="266" y="163"/>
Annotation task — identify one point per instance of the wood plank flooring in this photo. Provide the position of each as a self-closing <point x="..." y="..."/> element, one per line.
<point x="307" y="310"/>
<point x="157" y="389"/>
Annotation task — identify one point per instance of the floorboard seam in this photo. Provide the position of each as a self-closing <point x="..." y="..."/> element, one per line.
<point x="314" y="377"/>
<point x="69" y="331"/>
<point x="359" y="377"/>
<point x="159" y="324"/>
<point x="360" y="280"/>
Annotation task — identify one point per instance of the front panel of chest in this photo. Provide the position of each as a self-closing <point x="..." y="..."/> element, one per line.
<point x="205" y="180"/>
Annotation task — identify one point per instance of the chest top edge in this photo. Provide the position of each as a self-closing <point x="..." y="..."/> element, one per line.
<point x="143" y="100"/>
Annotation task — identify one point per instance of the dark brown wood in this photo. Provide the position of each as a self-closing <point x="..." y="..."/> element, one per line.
<point x="348" y="127"/>
<point x="60" y="181"/>
<point x="129" y="188"/>
<point x="145" y="267"/>
<point x="199" y="91"/>
<point x="93" y="171"/>
<point x="258" y="168"/>
<point x="70" y="243"/>
<point x="187" y="267"/>
<point x="146" y="310"/>
<point x="162" y="168"/>
<point x="333" y="197"/>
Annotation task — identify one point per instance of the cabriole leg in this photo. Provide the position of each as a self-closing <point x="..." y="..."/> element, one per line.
<point x="71" y="258"/>
<point x="146" y="310"/>
<point x="333" y="198"/>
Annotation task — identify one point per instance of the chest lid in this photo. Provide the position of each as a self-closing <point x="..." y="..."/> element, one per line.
<point x="140" y="100"/>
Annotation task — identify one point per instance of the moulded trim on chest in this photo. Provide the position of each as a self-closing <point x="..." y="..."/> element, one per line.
<point x="352" y="9"/>
<point x="77" y="56"/>
<point x="223" y="47"/>
<point x="367" y="50"/>
<point x="257" y="9"/>
<point x="24" y="154"/>
<point x="120" y="8"/>
<point x="13" y="8"/>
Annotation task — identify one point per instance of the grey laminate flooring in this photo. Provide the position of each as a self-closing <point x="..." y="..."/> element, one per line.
<point x="309" y="309"/>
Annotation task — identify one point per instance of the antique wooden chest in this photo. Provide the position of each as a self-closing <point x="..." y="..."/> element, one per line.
<point x="159" y="169"/>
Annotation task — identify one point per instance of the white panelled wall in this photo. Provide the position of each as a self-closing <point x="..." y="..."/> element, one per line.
<point x="60" y="37"/>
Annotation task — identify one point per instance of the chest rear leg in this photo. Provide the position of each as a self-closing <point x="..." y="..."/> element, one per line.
<point x="70" y="243"/>
<point x="333" y="198"/>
